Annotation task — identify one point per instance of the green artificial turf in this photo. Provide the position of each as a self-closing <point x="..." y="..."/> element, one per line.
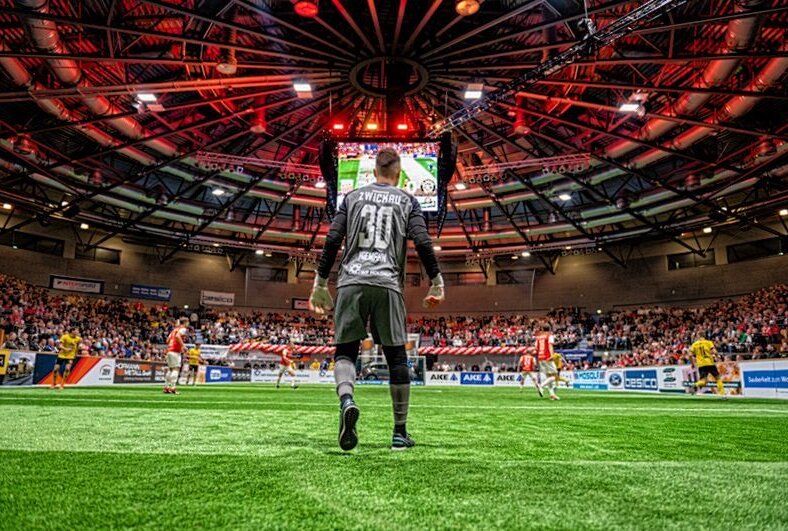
<point x="252" y="457"/>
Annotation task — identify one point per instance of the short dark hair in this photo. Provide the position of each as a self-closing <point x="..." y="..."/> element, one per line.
<point x="183" y="320"/>
<point x="546" y="328"/>
<point x="387" y="161"/>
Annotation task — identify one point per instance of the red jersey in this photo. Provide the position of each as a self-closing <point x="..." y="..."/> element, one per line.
<point x="175" y="340"/>
<point x="527" y="363"/>
<point x="284" y="358"/>
<point x="543" y="342"/>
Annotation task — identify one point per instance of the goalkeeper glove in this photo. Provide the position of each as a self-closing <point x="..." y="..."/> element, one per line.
<point x="320" y="300"/>
<point x="436" y="294"/>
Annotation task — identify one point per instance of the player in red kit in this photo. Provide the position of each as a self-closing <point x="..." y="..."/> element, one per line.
<point x="528" y="369"/>
<point x="286" y="366"/>
<point x="544" y="352"/>
<point x="176" y="346"/>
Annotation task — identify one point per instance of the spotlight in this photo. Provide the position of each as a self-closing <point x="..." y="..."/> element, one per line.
<point x="23" y="146"/>
<point x="474" y="91"/>
<point x="259" y="252"/>
<point x="629" y="106"/>
<point x="568" y="247"/>
<point x="466" y="8"/>
<point x="303" y="89"/>
<point x="84" y="226"/>
<point x="402" y="127"/>
<point x="228" y="64"/>
<point x="783" y="212"/>
<point x="437" y="248"/>
<point x="306" y="8"/>
<point x="320" y="184"/>
<point x="372" y="126"/>
<point x="338" y="126"/>
<point x="7" y="206"/>
<point x="515" y="257"/>
<point x="460" y="186"/>
<point x="525" y="254"/>
<point x="218" y="192"/>
<point x="564" y="196"/>
<point x="185" y="306"/>
<point x="146" y="97"/>
<point x="258" y="124"/>
<point x="268" y="255"/>
<point x="216" y="245"/>
<point x="707" y="230"/>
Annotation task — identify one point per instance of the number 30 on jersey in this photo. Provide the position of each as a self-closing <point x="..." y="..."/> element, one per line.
<point x="376" y="223"/>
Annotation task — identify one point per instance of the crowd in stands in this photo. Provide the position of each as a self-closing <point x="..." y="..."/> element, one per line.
<point x="33" y="318"/>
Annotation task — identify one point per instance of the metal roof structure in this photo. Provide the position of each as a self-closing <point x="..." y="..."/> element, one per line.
<point x="704" y="145"/>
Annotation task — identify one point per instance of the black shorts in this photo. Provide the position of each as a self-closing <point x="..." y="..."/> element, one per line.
<point x="193" y="368"/>
<point x="62" y="363"/>
<point x="708" y="370"/>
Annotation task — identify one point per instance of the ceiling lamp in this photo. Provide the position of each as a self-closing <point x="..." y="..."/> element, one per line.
<point x="7" y="206"/>
<point x="320" y="184"/>
<point x="436" y="248"/>
<point x="525" y="254"/>
<point x="218" y="192"/>
<point x="564" y="196"/>
<point x="466" y="8"/>
<point x="707" y="230"/>
<point x="474" y="91"/>
<point x="258" y="124"/>
<point x="306" y="8"/>
<point x="259" y="252"/>
<point x="515" y="257"/>
<point x="228" y="64"/>
<point x="784" y="212"/>
<point x="460" y="186"/>
<point x="146" y="97"/>
<point x="402" y="127"/>
<point x="84" y="226"/>
<point x="372" y="126"/>
<point x="303" y="89"/>
<point x="23" y="146"/>
<point x="338" y="126"/>
<point x="96" y="179"/>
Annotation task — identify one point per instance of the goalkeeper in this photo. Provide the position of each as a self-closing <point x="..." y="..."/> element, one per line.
<point x="376" y="221"/>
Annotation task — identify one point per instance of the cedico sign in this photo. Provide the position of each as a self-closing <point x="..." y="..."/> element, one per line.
<point x="641" y="380"/>
<point x="217" y="298"/>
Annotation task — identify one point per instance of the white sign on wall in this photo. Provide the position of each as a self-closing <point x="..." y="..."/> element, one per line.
<point x="217" y="298"/>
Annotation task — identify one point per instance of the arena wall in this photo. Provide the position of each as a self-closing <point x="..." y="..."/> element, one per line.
<point x="588" y="280"/>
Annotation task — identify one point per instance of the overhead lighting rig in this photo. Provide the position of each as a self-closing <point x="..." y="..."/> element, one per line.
<point x="593" y="40"/>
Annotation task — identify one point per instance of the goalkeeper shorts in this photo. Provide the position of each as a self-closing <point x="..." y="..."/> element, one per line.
<point x="382" y="308"/>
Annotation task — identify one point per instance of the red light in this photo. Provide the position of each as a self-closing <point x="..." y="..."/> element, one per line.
<point x="339" y="126"/>
<point x="306" y="8"/>
<point x="372" y="126"/>
<point x="402" y="127"/>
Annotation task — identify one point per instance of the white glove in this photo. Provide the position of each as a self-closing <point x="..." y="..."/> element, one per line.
<point x="320" y="300"/>
<point x="435" y="295"/>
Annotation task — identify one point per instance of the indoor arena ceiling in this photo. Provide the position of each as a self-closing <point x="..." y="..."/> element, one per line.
<point x="703" y="144"/>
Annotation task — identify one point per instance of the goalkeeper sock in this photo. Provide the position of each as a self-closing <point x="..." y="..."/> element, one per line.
<point x="344" y="376"/>
<point x="720" y="387"/>
<point x="400" y="399"/>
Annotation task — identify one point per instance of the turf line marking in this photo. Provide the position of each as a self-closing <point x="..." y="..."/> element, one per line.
<point x="263" y="404"/>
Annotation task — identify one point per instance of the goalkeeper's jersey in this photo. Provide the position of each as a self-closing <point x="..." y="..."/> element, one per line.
<point x="379" y="222"/>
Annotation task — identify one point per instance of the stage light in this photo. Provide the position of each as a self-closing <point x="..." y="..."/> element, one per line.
<point x="338" y="126"/>
<point x="460" y="186"/>
<point x="564" y="196"/>
<point x="466" y="8"/>
<point x="525" y="254"/>
<point x="402" y="127"/>
<point x="146" y="97"/>
<point x="515" y="257"/>
<point x="268" y="255"/>
<point x="303" y="89"/>
<point x="185" y="306"/>
<point x="259" y="252"/>
<point x="784" y="212"/>
<point x="372" y="126"/>
<point x="629" y="107"/>
<point x="707" y="230"/>
<point x="216" y="245"/>
<point x="437" y="248"/>
<point x="568" y="247"/>
<point x="306" y="8"/>
<point x="7" y="206"/>
<point x="474" y="91"/>
<point x="84" y="226"/>
<point x="320" y="184"/>
<point x="218" y="192"/>
<point x="599" y="312"/>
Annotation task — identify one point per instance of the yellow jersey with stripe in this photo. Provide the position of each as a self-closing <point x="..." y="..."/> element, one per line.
<point x="68" y="346"/>
<point x="702" y="350"/>
<point x="194" y="356"/>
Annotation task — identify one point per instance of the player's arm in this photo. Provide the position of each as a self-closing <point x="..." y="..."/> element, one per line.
<point x="417" y="231"/>
<point x="320" y="300"/>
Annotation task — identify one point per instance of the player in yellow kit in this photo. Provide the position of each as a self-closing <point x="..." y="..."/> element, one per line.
<point x="69" y="344"/>
<point x="705" y="359"/>
<point x="194" y="358"/>
<point x="559" y="365"/>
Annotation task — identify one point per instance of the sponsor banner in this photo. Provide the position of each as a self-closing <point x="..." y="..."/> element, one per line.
<point x="765" y="379"/>
<point x="576" y="355"/>
<point x="264" y="376"/>
<point x="217" y="298"/>
<point x="507" y="378"/>
<point x="241" y="375"/>
<point x="214" y="374"/>
<point x="82" y="285"/>
<point x="213" y="351"/>
<point x="594" y="379"/>
<point x="300" y="304"/>
<point x="615" y="379"/>
<point x="325" y="377"/>
<point x="16" y="367"/>
<point x="155" y="293"/>
<point x="85" y="370"/>
<point x="641" y="380"/>
<point x="139" y="372"/>
<point x="477" y="378"/>
<point x="673" y="378"/>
